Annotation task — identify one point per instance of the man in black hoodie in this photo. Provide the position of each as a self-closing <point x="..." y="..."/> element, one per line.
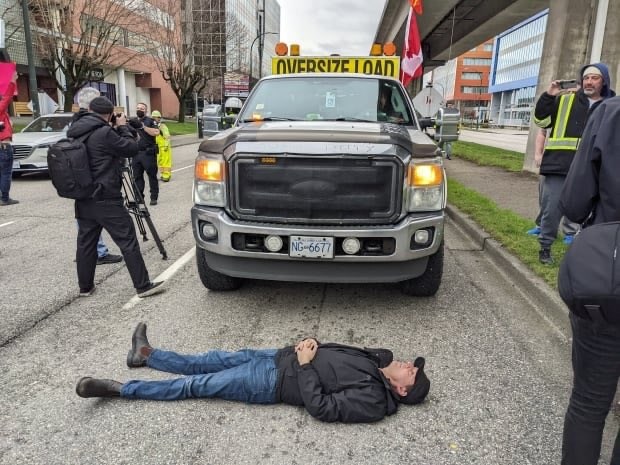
<point x="591" y="195"/>
<point x="333" y="382"/>
<point x="565" y="113"/>
<point x="107" y="149"/>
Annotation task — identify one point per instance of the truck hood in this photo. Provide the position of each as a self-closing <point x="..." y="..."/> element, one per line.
<point x="410" y="140"/>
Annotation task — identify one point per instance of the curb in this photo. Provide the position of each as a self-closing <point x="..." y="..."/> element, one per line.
<point x="546" y="300"/>
<point x="182" y="140"/>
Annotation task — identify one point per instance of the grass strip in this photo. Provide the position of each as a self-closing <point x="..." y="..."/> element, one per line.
<point x="178" y="129"/>
<point x="507" y="228"/>
<point x="489" y="156"/>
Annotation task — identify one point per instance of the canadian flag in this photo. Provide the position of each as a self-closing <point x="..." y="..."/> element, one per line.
<point x="411" y="63"/>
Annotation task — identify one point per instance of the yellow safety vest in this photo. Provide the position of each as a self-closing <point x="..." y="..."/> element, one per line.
<point x="558" y="140"/>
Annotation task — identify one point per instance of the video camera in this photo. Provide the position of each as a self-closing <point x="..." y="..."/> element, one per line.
<point x="114" y="116"/>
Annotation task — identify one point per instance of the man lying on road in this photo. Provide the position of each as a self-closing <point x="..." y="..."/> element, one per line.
<point x="333" y="382"/>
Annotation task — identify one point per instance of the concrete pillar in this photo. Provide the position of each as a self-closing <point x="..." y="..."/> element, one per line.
<point x="569" y="39"/>
<point x="122" y="89"/>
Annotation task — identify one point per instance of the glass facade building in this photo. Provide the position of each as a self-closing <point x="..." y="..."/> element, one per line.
<point x="514" y="71"/>
<point x="228" y="34"/>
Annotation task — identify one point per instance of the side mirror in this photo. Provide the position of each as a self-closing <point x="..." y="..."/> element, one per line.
<point x="426" y="122"/>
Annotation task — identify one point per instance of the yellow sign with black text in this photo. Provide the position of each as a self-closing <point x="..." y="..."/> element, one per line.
<point x="382" y="66"/>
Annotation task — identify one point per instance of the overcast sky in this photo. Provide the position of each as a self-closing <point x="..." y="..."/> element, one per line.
<point x="323" y="27"/>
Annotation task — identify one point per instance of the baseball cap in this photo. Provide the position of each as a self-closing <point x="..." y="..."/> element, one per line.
<point x="420" y="389"/>
<point x="155" y="114"/>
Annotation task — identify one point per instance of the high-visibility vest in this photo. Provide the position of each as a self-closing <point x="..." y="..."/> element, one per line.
<point x="557" y="140"/>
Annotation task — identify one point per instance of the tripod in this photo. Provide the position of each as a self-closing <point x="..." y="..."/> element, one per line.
<point x="136" y="206"/>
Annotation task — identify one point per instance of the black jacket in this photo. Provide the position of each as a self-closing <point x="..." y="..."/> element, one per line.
<point x="559" y="161"/>
<point x="106" y="148"/>
<point x="592" y="183"/>
<point x="146" y="142"/>
<point x="342" y="383"/>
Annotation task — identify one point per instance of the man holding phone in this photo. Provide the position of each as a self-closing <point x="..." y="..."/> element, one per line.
<point x="564" y="109"/>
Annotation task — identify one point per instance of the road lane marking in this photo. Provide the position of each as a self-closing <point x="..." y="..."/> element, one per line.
<point x="6" y="224"/>
<point x="167" y="274"/>
<point x="184" y="168"/>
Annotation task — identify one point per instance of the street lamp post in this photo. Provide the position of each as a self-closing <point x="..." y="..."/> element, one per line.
<point x="252" y="48"/>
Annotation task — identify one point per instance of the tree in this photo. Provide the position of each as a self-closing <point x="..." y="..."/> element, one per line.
<point x="76" y="37"/>
<point x="194" y="56"/>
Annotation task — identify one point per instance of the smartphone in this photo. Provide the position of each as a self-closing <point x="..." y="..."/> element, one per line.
<point x="568" y="83"/>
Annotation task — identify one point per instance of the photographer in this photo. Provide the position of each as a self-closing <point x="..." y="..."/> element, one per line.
<point x="6" y="149"/>
<point x="146" y="160"/>
<point x="107" y="148"/>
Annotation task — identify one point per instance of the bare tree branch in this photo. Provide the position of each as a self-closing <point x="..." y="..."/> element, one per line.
<point x="195" y="56"/>
<point x="74" y="37"/>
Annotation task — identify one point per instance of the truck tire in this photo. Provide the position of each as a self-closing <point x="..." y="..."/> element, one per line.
<point x="427" y="284"/>
<point x="213" y="280"/>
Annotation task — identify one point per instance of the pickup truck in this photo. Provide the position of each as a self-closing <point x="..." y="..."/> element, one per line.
<point x="324" y="177"/>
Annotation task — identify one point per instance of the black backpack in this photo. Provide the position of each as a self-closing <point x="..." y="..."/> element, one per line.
<point x="589" y="279"/>
<point x="69" y="169"/>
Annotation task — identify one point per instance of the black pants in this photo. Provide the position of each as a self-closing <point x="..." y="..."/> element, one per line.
<point x="596" y="366"/>
<point x="146" y="161"/>
<point x="111" y="215"/>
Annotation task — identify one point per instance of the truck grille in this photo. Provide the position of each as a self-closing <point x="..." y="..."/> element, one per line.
<point x="21" y="151"/>
<point x="316" y="189"/>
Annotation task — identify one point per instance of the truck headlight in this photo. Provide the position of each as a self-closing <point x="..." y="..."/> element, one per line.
<point x="425" y="185"/>
<point x="210" y="180"/>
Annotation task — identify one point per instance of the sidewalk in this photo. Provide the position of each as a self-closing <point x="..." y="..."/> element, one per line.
<point x="517" y="192"/>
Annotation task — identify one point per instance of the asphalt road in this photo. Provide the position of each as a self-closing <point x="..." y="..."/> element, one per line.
<point x="500" y="370"/>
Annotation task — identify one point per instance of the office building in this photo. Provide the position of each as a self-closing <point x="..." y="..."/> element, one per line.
<point x="514" y="71"/>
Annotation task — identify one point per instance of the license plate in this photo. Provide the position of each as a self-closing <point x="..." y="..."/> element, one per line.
<point x="15" y="165"/>
<point x="311" y="247"/>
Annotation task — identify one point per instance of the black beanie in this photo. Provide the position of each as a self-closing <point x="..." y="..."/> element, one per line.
<point x="101" y="106"/>
<point x="420" y="388"/>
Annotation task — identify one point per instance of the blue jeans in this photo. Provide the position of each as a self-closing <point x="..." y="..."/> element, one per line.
<point x="247" y="376"/>
<point x="6" y="170"/>
<point x="596" y="366"/>
<point x="102" y="249"/>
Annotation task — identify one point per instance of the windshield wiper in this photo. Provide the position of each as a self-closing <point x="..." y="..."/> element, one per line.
<point x="349" y="118"/>
<point x="269" y="118"/>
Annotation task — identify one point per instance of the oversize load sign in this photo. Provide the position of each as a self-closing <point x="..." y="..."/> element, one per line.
<point x="382" y="66"/>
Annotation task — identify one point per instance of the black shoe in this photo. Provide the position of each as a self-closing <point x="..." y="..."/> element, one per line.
<point x="152" y="289"/>
<point x="87" y="292"/>
<point x="109" y="258"/>
<point x="92" y="387"/>
<point x="544" y="256"/>
<point x="8" y="202"/>
<point x="136" y="357"/>
<point x="153" y="202"/>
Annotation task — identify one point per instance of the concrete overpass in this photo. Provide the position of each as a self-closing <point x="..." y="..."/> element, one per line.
<point x="578" y="32"/>
<point x="449" y="28"/>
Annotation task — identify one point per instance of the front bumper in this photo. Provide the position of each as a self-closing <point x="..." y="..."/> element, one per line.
<point x="404" y="263"/>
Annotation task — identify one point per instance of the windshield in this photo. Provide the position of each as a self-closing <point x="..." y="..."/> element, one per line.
<point x="327" y="98"/>
<point x="212" y="110"/>
<point x="49" y="124"/>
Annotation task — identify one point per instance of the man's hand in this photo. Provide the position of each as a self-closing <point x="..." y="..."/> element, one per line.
<point x="300" y="344"/>
<point x="306" y="351"/>
<point x="121" y="120"/>
<point x="554" y="88"/>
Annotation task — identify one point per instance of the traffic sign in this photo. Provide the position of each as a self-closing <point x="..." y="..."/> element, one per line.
<point x="428" y="102"/>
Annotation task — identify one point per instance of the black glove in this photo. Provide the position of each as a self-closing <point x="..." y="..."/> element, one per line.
<point x="135" y="123"/>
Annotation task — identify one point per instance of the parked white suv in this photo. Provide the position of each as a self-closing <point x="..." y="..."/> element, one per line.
<point x="31" y="144"/>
